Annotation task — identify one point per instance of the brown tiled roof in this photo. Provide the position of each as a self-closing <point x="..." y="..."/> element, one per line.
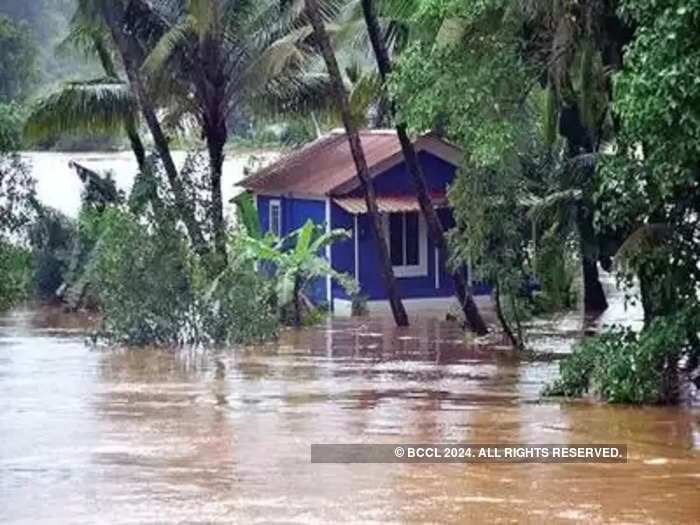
<point x="389" y="203"/>
<point x="326" y="165"/>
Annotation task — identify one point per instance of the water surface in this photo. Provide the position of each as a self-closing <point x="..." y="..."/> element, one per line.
<point x="58" y="185"/>
<point x="154" y="436"/>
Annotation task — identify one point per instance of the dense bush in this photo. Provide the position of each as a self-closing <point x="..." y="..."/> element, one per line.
<point x="51" y="238"/>
<point x="622" y="366"/>
<point x="154" y="290"/>
<point x="556" y="270"/>
<point x="15" y="277"/>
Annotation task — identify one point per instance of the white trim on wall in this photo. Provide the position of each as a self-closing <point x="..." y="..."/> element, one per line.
<point x="436" y="307"/>
<point x="329" y="254"/>
<point x="302" y="196"/>
<point x="356" y="234"/>
<point x="274" y="203"/>
<point x="437" y="268"/>
<point x="417" y="270"/>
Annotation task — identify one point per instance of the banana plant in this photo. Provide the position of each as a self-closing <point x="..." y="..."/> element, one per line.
<point x="296" y="259"/>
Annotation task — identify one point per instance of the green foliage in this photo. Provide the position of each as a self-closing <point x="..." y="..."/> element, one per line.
<point x="51" y="238"/>
<point x="10" y="127"/>
<point x="153" y="290"/>
<point x="87" y="107"/>
<point x="17" y="194"/>
<point x="651" y="184"/>
<point x="622" y="366"/>
<point x="469" y="85"/>
<point x="18" y="64"/>
<point x="15" y="278"/>
<point x="247" y="215"/>
<point x="295" y="260"/>
<point x="556" y="270"/>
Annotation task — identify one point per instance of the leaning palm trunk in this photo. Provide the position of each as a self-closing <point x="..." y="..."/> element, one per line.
<point x="462" y="289"/>
<point x="594" y="299"/>
<point x="358" y="156"/>
<point x="131" y="56"/>
<point x="216" y="139"/>
<point x="212" y="92"/>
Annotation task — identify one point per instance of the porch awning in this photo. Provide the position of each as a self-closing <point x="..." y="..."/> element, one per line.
<point x="389" y="203"/>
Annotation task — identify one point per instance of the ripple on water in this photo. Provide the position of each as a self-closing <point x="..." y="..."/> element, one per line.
<point x="132" y="436"/>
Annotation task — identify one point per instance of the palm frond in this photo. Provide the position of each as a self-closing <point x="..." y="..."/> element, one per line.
<point x="554" y="204"/>
<point x="95" y="106"/>
<point x="174" y="38"/>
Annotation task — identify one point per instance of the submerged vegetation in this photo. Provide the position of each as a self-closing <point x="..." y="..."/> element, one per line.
<point x="578" y="122"/>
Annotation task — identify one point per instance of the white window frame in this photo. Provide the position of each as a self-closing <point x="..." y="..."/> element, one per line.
<point x="411" y="270"/>
<point x="275" y="203"/>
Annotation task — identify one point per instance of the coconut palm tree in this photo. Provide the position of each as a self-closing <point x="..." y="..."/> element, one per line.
<point x="224" y="54"/>
<point x="415" y="172"/>
<point x="99" y="105"/>
<point x="324" y="44"/>
<point x="132" y="27"/>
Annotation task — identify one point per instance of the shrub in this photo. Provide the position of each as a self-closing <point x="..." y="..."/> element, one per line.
<point x="556" y="271"/>
<point x="622" y="366"/>
<point x="154" y="290"/>
<point x="51" y="238"/>
<point x="15" y="278"/>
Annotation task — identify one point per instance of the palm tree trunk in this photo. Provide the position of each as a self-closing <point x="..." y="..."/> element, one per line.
<point x="594" y="300"/>
<point x="358" y="156"/>
<point x="463" y="291"/>
<point x="216" y="139"/>
<point x="212" y="92"/>
<point x="131" y="56"/>
<point x="136" y="144"/>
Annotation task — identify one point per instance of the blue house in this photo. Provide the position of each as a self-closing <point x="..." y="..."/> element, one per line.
<point x="319" y="182"/>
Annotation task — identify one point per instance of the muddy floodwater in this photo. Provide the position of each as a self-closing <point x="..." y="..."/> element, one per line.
<point x="163" y="436"/>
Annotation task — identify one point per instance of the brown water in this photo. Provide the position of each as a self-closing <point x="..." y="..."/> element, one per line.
<point x="153" y="436"/>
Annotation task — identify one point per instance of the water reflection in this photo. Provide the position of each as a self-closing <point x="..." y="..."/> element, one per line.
<point x="223" y="436"/>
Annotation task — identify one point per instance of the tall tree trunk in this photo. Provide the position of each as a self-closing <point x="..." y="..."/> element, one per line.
<point x="579" y="141"/>
<point x="212" y="93"/>
<point x="131" y="56"/>
<point x="216" y="139"/>
<point x="466" y="300"/>
<point x="594" y="299"/>
<point x="136" y="144"/>
<point x="358" y="156"/>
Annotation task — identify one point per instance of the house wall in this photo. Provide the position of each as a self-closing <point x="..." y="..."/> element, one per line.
<point x="294" y="213"/>
<point x="342" y="253"/>
<point x="395" y="181"/>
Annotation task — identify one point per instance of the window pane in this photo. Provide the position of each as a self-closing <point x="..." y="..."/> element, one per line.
<point x="275" y="219"/>
<point x="396" y="238"/>
<point x="412" y="232"/>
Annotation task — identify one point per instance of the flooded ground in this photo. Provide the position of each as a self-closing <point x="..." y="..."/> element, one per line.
<point x="154" y="436"/>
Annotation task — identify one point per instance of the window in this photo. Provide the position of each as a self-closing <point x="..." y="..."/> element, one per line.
<point x="407" y="244"/>
<point x="275" y="226"/>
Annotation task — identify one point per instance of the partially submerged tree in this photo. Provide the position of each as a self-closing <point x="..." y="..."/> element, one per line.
<point x="99" y="105"/>
<point x="386" y="268"/>
<point x="130" y="25"/>
<point x="222" y="55"/>
<point x="471" y="312"/>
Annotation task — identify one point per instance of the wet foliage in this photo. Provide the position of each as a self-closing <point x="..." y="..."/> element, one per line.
<point x="154" y="291"/>
<point x="622" y="366"/>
